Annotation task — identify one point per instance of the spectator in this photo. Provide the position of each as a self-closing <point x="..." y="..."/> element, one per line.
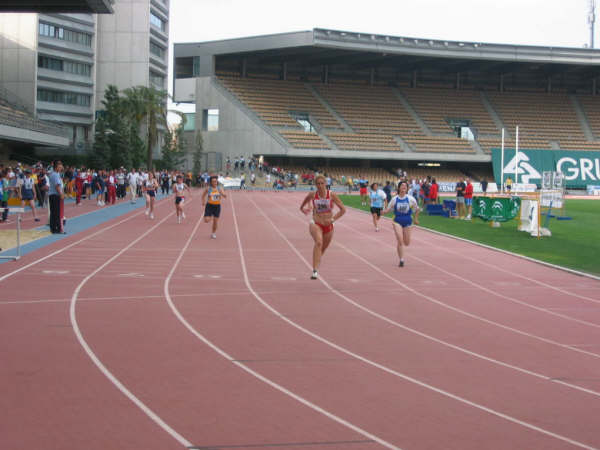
<point x="433" y="192"/>
<point x="468" y="198"/>
<point x="484" y="186"/>
<point x="508" y="184"/>
<point x="132" y="178"/>
<point x="460" y="199"/>
<point x="56" y="195"/>
<point x="3" y="195"/>
<point x="388" y="191"/>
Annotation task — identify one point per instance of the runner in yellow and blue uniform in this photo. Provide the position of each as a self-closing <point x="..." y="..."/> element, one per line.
<point x="211" y="197"/>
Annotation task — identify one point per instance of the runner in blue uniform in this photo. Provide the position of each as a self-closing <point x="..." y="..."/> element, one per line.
<point x="404" y="206"/>
<point x="378" y="202"/>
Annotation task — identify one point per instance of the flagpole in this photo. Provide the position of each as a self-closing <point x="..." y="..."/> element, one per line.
<point x="517" y="158"/>
<point x="502" y="165"/>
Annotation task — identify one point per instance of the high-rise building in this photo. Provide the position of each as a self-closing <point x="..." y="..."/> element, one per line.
<point x="59" y="64"/>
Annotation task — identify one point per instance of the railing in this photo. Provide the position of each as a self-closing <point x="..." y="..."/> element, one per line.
<point x="16" y="114"/>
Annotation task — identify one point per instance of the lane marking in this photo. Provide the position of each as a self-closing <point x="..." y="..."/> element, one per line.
<point x="380" y="366"/>
<point x="102" y="230"/>
<point x="55" y="272"/>
<point x="492" y="292"/>
<point x="72" y="314"/>
<point x="452" y="308"/>
<point x="243" y="366"/>
<point x="131" y="275"/>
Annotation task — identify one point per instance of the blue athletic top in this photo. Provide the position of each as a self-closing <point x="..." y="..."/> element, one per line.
<point x="377" y="198"/>
<point x="403" y="208"/>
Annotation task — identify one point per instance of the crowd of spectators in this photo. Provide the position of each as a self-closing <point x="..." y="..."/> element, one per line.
<point x="40" y="185"/>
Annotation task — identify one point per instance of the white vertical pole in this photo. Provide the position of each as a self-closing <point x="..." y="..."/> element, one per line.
<point x="502" y="165"/>
<point x="517" y="157"/>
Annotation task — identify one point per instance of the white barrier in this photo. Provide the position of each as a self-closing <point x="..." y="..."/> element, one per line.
<point x="18" y="212"/>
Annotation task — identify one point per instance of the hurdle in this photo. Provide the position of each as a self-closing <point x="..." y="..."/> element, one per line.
<point x="18" y="212"/>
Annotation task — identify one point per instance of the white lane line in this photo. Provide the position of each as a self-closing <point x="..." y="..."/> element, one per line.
<point x="373" y="363"/>
<point x="479" y="286"/>
<point x="506" y="252"/>
<point x="419" y="333"/>
<point x="468" y="314"/>
<point x="4" y="277"/>
<point x="151" y="414"/>
<point x="240" y="364"/>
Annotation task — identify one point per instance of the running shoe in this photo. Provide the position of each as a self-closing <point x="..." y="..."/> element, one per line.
<point x="376" y="228"/>
<point x="213" y="236"/>
<point x="314" y="275"/>
<point x="178" y="219"/>
<point x="152" y="215"/>
<point x="183" y="214"/>
<point x="36" y="219"/>
<point x="401" y="263"/>
<point x="147" y="211"/>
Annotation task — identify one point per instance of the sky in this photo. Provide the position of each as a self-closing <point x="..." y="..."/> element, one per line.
<point x="554" y="23"/>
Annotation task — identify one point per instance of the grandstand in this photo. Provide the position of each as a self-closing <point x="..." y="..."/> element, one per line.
<point x="19" y="128"/>
<point x="326" y="98"/>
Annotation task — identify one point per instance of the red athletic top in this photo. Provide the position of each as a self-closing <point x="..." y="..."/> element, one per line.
<point x="322" y="205"/>
<point x="469" y="191"/>
<point x="433" y="191"/>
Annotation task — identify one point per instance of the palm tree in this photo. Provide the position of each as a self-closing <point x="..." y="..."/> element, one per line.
<point x="147" y="106"/>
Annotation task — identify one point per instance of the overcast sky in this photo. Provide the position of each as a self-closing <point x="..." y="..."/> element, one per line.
<point x="536" y="22"/>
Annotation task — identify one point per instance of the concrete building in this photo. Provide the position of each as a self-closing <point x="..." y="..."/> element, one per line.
<point x="59" y="64"/>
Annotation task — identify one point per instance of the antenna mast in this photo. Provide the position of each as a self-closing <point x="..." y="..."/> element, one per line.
<point x="592" y="21"/>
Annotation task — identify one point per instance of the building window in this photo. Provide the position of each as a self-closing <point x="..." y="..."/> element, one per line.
<point x="157" y="80"/>
<point x="196" y="66"/>
<point x="56" y="32"/>
<point x="76" y="68"/>
<point x="157" y="22"/>
<point x="46" y="62"/>
<point x="210" y="120"/>
<point x="67" y="98"/>
<point x="157" y="50"/>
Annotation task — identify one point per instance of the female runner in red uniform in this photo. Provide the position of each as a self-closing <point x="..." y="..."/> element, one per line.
<point x="321" y="225"/>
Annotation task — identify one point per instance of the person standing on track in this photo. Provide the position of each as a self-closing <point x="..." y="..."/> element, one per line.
<point x="28" y="193"/>
<point x="321" y="225"/>
<point x="404" y="206"/>
<point x="132" y="178"/>
<point x="179" y="188"/>
<point x="56" y="196"/>
<point x="378" y="202"/>
<point x="211" y="200"/>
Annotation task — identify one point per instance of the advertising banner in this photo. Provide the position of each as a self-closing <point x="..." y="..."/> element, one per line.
<point x="579" y="168"/>
<point x="496" y="209"/>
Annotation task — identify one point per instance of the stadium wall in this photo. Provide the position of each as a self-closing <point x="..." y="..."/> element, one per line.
<point x="239" y="133"/>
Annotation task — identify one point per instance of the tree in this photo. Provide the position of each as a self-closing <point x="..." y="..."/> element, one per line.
<point x="147" y="106"/>
<point x="174" y="146"/>
<point x="198" y="152"/>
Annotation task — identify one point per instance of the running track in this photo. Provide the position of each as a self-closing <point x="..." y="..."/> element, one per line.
<point x="140" y="334"/>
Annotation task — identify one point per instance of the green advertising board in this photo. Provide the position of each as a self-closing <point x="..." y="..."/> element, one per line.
<point x="579" y="168"/>
<point x="500" y="209"/>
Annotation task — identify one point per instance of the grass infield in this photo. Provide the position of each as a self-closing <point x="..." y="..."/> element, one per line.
<point x="574" y="243"/>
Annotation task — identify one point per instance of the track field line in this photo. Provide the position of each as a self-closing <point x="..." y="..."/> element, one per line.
<point x="126" y="392"/>
<point x="102" y="230"/>
<point x="412" y="330"/>
<point x="380" y="366"/>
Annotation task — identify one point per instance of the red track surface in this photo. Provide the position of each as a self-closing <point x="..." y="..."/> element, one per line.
<point x="150" y="335"/>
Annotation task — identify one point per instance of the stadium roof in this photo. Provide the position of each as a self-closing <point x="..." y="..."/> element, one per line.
<point x="58" y="6"/>
<point x="322" y="47"/>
